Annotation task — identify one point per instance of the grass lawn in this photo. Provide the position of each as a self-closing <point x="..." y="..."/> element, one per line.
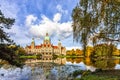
<point x="29" y="57"/>
<point x="70" y="56"/>
<point x="96" y="77"/>
<point x="101" y="75"/>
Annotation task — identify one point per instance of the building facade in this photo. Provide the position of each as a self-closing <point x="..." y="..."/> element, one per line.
<point x="46" y="49"/>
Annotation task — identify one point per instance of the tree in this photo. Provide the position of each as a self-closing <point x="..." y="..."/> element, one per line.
<point x="8" y="50"/>
<point x="11" y="53"/>
<point x="78" y="52"/>
<point x="96" y="21"/>
<point x="5" y="23"/>
<point x="104" y="50"/>
<point x="89" y="51"/>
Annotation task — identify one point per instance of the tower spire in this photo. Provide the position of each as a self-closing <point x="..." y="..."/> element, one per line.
<point x="33" y="43"/>
<point x="47" y="39"/>
<point x="33" y="40"/>
<point x="47" y="34"/>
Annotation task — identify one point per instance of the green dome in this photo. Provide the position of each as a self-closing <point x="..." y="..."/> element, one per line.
<point x="47" y="38"/>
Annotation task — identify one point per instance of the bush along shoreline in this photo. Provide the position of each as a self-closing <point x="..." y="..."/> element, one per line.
<point x="99" y="74"/>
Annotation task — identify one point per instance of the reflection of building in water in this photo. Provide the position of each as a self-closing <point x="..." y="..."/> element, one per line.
<point x="57" y="61"/>
<point x="45" y="64"/>
<point x="39" y="71"/>
<point x="46" y="49"/>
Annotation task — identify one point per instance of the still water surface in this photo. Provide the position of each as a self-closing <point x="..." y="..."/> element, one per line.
<point x="58" y="69"/>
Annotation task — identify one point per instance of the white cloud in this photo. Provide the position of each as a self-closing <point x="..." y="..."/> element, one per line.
<point x="9" y="9"/>
<point x="30" y="19"/>
<point x="18" y="34"/>
<point x="57" y="17"/>
<point x="53" y="27"/>
<point x="60" y="9"/>
<point x="36" y="27"/>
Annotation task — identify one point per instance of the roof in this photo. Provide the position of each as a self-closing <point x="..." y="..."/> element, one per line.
<point x="38" y="46"/>
<point x="55" y="47"/>
<point x="29" y="47"/>
<point x="44" y="45"/>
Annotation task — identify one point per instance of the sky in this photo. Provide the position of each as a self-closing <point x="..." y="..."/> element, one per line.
<point x="35" y="18"/>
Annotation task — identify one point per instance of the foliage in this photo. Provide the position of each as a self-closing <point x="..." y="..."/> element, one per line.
<point x="74" y="59"/>
<point x="95" y="77"/>
<point x="11" y="54"/>
<point x="54" y="56"/>
<point x="116" y="52"/>
<point x="96" y="21"/>
<point x="77" y="72"/>
<point x="100" y="75"/>
<point x="73" y="52"/>
<point x="39" y="56"/>
<point x="80" y="72"/>
<point x="104" y="64"/>
<point x="99" y="50"/>
<point x="105" y="50"/>
<point x="79" y="52"/>
<point x="89" y="51"/>
<point x="5" y="23"/>
<point x="8" y="50"/>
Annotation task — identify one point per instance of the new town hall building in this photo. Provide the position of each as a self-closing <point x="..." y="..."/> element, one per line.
<point x="46" y="49"/>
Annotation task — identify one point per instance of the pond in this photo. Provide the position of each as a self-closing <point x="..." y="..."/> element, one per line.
<point x="58" y="69"/>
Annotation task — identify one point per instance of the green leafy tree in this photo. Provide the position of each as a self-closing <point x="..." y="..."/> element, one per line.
<point x="96" y="21"/>
<point x="8" y="49"/>
<point x="12" y="53"/>
<point x="5" y="23"/>
<point x="103" y="50"/>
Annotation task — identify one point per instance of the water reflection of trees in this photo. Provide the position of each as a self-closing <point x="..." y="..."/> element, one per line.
<point x="98" y="63"/>
<point x="87" y="61"/>
<point x="104" y="63"/>
<point x="117" y="61"/>
<point x="76" y="60"/>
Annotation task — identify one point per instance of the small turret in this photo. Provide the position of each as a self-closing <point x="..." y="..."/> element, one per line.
<point x="33" y="43"/>
<point x="59" y="43"/>
<point x="60" y="46"/>
<point x="47" y="39"/>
